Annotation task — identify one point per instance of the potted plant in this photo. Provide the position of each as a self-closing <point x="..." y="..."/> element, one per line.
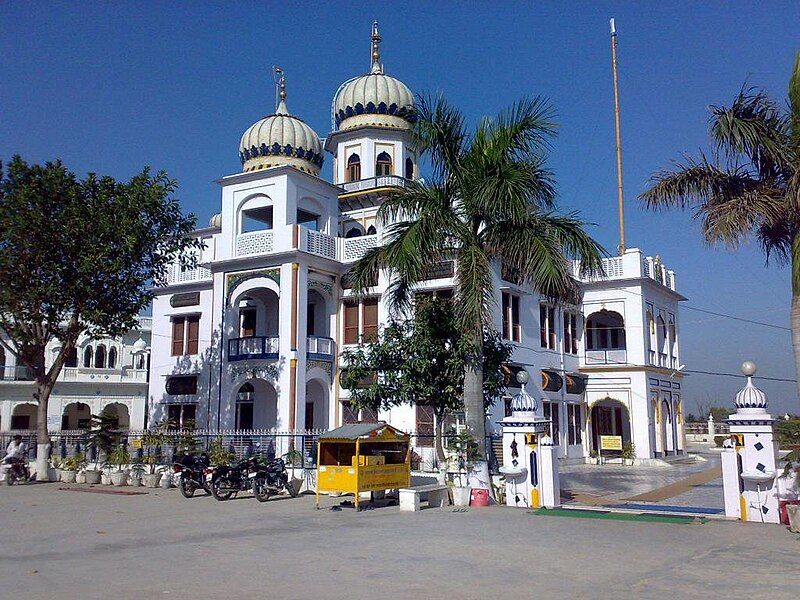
<point x="152" y="442"/>
<point x="219" y="455"/>
<point x="152" y="477"/>
<point x="294" y="460"/>
<point x="464" y="450"/>
<point x="54" y="472"/>
<point x="628" y="453"/>
<point x="69" y="469"/>
<point x="80" y="466"/>
<point x="137" y="472"/>
<point x="593" y="457"/>
<point x="119" y="458"/>
<point x="102" y="437"/>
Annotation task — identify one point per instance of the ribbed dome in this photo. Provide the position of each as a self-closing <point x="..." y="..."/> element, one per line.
<point x="751" y="397"/>
<point x="375" y="98"/>
<point x="215" y="221"/>
<point x="281" y="139"/>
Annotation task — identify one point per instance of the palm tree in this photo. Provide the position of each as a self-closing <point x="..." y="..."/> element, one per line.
<point x="490" y="202"/>
<point x="750" y="185"/>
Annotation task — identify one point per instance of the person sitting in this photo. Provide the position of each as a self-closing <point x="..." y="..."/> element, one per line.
<point x="14" y="452"/>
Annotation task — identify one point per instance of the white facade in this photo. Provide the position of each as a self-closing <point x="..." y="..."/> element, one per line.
<point x="107" y="375"/>
<point x="251" y="338"/>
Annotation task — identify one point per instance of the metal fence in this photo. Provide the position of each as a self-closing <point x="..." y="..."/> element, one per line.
<point x="701" y="428"/>
<point x="242" y="443"/>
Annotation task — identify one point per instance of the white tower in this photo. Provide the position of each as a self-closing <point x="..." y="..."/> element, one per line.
<point x="749" y="457"/>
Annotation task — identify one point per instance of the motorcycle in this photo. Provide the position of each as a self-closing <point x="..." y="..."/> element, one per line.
<point x="192" y="469"/>
<point x="17" y="471"/>
<point x="271" y="479"/>
<point x="229" y="480"/>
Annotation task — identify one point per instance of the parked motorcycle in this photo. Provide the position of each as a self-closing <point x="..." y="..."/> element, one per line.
<point x="229" y="480"/>
<point x="17" y="471"/>
<point x="192" y="470"/>
<point x="271" y="479"/>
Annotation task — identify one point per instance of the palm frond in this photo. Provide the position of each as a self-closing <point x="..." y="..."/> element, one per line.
<point x="474" y="285"/>
<point x="794" y="105"/>
<point x="439" y="132"/>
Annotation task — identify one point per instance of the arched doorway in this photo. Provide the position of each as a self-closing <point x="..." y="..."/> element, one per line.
<point x="667" y="428"/>
<point x="256" y="405"/>
<point x="118" y="413"/>
<point x="24" y="416"/>
<point x="610" y="417"/>
<point x="76" y="415"/>
<point x="316" y="405"/>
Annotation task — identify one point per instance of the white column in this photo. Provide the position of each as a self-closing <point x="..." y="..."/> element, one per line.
<point x="549" y="484"/>
<point x="730" y="482"/>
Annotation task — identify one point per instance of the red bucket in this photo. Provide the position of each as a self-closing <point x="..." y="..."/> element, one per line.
<point x="784" y="515"/>
<point x="479" y="497"/>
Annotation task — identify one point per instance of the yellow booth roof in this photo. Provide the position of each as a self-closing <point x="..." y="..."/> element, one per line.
<point x="379" y="431"/>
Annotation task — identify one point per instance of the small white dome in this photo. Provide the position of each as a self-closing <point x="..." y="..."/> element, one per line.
<point x="281" y="139"/>
<point x="139" y="346"/>
<point x="750" y="397"/>
<point x="215" y="221"/>
<point x="374" y="99"/>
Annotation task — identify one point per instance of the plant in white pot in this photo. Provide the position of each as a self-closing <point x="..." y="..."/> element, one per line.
<point x="294" y="462"/>
<point x="80" y="466"/>
<point x="628" y="453"/>
<point x="120" y="459"/>
<point x="54" y="472"/>
<point x="464" y="450"/>
<point x="102" y="437"/>
<point x="69" y="469"/>
<point x="152" y="442"/>
<point x="137" y="472"/>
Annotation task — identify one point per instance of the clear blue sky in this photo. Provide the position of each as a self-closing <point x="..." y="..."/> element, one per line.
<point x="112" y="87"/>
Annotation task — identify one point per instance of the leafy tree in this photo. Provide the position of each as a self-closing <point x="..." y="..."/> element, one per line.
<point x="78" y="257"/>
<point x="422" y="361"/>
<point x="490" y="201"/>
<point x="750" y="185"/>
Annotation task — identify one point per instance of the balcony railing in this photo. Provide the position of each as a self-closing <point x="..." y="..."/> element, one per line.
<point x="18" y="373"/>
<point x="253" y="348"/>
<point x="319" y="347"/>
<point x="606" y="357"/>
<point x="632" y="265"/>
<point x="254" y="242"/>
<point x="92" y="374"/>
<point x="321" y="244"/>
<point x="374" y="182"/>
<point x="351" y="249"/>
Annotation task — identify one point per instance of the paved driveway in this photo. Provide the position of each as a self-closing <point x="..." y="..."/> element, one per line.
<point x="68" y="544"/>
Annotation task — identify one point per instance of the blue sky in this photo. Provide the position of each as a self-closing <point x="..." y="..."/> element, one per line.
<point x="114" y="86"/>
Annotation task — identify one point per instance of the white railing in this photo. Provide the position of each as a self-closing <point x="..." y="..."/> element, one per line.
<point x="179" y="274"/>
<point x="253" y="347"/>
<point x="18" y="373"/>
<point x="319" y="345"/>
<point x="320" y="243"/>
<point x="254" y="242"/>
<point x="134" y="375"/>
<point x="374" y="182"/>
<point x="147" y="322"/>
<point x="351" y="249"/>
<point x="606" y="357"/>
<point x="632" y="265"/>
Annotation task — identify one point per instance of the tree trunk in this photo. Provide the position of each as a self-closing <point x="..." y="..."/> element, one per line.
<point x="475" y="413"/>
<point x="438" y="430"/>
<point x="795" y="311"/>
<point x="43" y="389"/>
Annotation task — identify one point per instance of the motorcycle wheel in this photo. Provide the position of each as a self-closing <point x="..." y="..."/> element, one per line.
<point x="260" y="489"/>
<point x="26" y="476"/>
<point x="218" y="493"/>
<point x="292" y="489"/>
<point x="10" y="478"/>
<point x="186" y="487"/>
<point x="207" y="488"/>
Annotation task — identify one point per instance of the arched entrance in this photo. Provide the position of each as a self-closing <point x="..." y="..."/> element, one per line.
<point x="24" y="416"/>
<point x="118" y="413"/>
<point x="76" y="415"/>
<point x="667" y="428"/>
<point x="316" y="405"/>
<point x="256" y="405"/>
<point x="610" y="417"/>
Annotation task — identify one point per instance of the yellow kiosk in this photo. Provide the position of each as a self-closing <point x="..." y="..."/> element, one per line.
<point x="363" y="457"/>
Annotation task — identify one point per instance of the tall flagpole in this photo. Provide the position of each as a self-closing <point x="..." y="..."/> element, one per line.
<point x="620" y="204"/>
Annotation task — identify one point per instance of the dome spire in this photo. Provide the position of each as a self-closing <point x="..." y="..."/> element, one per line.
<point x="280" y="91"/>
<point x="377" y="67"/>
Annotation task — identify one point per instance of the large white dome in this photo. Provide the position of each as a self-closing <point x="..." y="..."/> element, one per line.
<point x="375" y="98"/>
<point x="281" y="139"/>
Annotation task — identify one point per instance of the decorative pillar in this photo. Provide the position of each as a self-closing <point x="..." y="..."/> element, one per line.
<point x="711" y="429"/>
<point x="749" y="457"/>
<point x="530" y="464"/>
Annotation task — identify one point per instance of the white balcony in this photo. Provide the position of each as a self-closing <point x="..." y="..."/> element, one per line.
<point x="17" y="373"/>
<point x="320" y="347"/>
<point x="606" y="357"/>
<point x="255" y="347"/>
<point x="382" y="181"/>
<point x="352" y="249"/>
<point x="320" y="244"/>
<point x="255" y="242"/>
<point x="93" y="375"/>
<point x="632" y="265"/>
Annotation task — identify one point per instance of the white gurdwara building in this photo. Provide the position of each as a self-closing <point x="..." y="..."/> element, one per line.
<point x="251" y="337"/>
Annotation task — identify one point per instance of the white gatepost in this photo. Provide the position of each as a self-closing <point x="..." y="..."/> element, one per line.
<point x="529" y="464"/>
<point x="749" y="457"/>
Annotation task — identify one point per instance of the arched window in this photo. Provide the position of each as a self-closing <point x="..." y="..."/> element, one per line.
<point x="87" y="357"/>
<point x="353" y="232"/>
<point x="354" y="168"/>
<point x="112" y="358"/>
<point x="140" y="361"/>
<point x="100" y="357"/>
<point x="662" y="334"/>
<point x="605" y="330"/>
<point x="371" y="230"/>
<point x="72" y="358"/>
<point x="409" y="169"/>
<point x="383" y="165"/>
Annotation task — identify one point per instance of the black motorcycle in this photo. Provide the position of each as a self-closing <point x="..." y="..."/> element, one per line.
<point x="192" y="469"/>
<point x="271" y="479"/>
<point x="229" y="480"/>
<point x="17" y="471"/>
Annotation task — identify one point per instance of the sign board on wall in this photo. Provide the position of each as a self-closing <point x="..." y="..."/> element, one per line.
<point x="611" y="442"/>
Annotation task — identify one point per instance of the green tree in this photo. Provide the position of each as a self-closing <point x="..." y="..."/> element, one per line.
<point x="749" y="187"/>
<point x="422" y="361"/>
<point x="490" y="201"/>
<point x="79" y="257"/>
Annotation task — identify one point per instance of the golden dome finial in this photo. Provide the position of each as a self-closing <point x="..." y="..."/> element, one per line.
<point x="376" y="49"/>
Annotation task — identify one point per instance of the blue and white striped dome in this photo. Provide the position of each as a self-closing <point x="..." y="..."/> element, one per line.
<point x="750" y="397"/>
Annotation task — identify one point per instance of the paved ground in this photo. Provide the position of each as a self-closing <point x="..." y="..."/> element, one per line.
<point x="68" y="544"/>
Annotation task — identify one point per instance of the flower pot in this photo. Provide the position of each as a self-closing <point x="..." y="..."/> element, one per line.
<point x="136" y="480"/>
<point x="166" y="481"/>
<point x="105" y="479"/>
<point x="92" y="477"/>
<point x="80" y="477"/>
<point x="151" y="480"/>
<point x="119" y="478"/>
<point x="53" y="474"/>
<point x="294" y="485"/>
<point x="68" y="476"/>
<point x="461" y="496"/>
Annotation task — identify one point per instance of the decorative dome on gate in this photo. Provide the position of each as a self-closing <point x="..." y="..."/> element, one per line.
<point x="374" y="99"/>
<point x="750" y="397"/>
<point x="281" y="139"/>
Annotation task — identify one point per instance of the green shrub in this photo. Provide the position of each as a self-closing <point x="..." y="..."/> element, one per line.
<point x="719" y="439"/>
<point x="787" y="432"/>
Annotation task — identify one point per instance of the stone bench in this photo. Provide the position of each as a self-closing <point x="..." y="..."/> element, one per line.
<point x="438" y="495"/>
